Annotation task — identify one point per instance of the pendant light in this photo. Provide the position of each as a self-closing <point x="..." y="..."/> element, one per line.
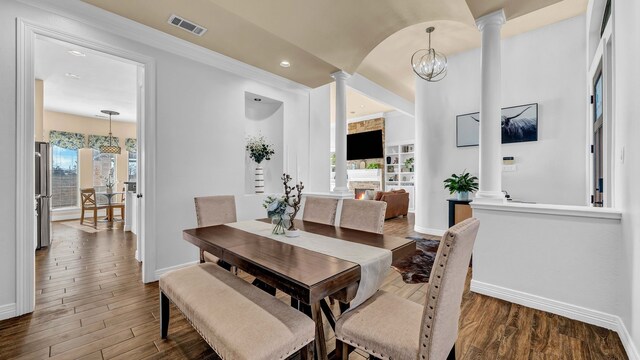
<point x="429" y="64"/>
<point x="111" y="148"/>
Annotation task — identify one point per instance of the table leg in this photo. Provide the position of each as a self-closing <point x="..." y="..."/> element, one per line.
<point x="321" y="345"/>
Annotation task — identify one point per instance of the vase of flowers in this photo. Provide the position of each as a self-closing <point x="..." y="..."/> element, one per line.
<point x="259" y="150"/>
<point x="109" y="181"/>
<point x="276" y="210"/>
<point x="293" y="202"/>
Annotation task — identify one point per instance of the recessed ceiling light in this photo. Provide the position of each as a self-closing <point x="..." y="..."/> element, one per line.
<point x="361" y="106"/>
<point x="257" y="99"/>
<point x="285" y="64"/>
<point x="73" y="76"/>
<point x="76" y="53"/>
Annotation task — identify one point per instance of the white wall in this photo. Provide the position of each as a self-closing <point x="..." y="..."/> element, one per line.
<point x="200" y="135"/>
<point x="320" y="139"/>
<point x="398" y="127"/>
<point x="565" y="260"/>
<point x="627" y="149"/>
<point x="545" y="66"/>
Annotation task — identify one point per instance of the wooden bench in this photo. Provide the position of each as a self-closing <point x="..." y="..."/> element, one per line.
<point x="236" y="319"/>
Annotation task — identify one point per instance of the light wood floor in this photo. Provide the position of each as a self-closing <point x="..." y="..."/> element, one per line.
<point x="91" y="304"/>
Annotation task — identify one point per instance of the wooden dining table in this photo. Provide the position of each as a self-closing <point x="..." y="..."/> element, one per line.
<point x="307" y="276"/>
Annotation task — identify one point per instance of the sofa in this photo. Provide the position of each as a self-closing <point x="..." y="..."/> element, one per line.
<point x="397" y="202"/>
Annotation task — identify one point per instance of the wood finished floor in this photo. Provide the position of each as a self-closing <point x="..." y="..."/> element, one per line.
<point x="91" y="304"/>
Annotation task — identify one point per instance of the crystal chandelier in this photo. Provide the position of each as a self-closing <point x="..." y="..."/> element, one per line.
<point x="429" y="64"/>
<point x="111" y="148"/>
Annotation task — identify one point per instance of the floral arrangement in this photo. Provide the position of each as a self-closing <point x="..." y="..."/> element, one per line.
<point x="258" y="148"/>
<point x="284" y="207"/>
<point x="109" y="180"/>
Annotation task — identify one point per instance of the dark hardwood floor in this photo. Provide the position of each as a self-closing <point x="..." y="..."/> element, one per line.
<point x="91" y="304"/>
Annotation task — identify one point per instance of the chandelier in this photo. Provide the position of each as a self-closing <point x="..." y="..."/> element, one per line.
<point x="111" y="148"/>
<point x="429" y="64"/>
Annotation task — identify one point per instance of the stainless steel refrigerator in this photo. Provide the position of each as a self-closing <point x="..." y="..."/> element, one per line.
<point x="43" y="194"/>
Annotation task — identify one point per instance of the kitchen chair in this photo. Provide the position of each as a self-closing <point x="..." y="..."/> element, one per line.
<point x="118" y="205"/>
<point x="390" y="327"/>
<point x="320" y="210"/>
<point x="363" y="215"/>
<point x="214" y="210"/>
<point x="88" y="200"/>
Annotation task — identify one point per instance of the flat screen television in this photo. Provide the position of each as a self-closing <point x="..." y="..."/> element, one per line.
<point x="365" y="145"/>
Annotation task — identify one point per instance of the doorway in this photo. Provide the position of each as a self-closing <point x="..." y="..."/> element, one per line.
<point x="28" y="36"/>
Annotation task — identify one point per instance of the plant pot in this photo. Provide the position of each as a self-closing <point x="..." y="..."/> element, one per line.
<point x="292" y="233"/>
<point x="463" y="195"/>
<point x="259" y="180"/>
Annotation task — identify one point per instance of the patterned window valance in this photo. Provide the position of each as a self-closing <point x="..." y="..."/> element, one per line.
<point x="66" y="140"/>
<point x="131" y="145"/>
<point x="95" y="141"/>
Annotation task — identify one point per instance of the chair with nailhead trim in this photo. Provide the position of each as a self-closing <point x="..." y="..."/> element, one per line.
<point x="390" y="327"/>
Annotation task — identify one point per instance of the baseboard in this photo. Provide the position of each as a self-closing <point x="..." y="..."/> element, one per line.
<point x="159" y="272"/>
<point x="428" y="231"/>
<point x="570" y="311"/>
<point x="7" y="311"/>
<point x="627" y="341"/>
<point x="127" y="227"/>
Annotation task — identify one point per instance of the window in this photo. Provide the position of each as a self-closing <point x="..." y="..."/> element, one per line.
<point x="64" y="177"/>
<point x="132" y="167"/>
<point x="104" y="165"/>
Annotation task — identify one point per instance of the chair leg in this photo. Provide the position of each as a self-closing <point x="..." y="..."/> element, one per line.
<point x="306" y="353"/>
<point x="164" y="315"/>
<point x="95" y="217"/>
<point x="201" y="256"/>
<point x="452" y="353"/>
<point x="82" y="216"/>
<point x="342" y="350"/>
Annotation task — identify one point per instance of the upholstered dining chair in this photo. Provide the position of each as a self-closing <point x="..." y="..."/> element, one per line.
<point x="214" y="210"/>
<point x="320" y="210"/>
<point x="364" y="215"/>
<point x="390" y="327"/>
<point x="88" y="201"/>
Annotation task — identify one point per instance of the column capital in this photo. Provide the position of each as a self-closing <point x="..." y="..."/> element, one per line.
<point x="494" y="18"/>
<point x="342" y="75"/>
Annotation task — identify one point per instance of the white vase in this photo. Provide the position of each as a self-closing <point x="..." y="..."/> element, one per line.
<point x="463" y="195"/>
<point x="291" y="233"/>
<point x="259" y="180"/>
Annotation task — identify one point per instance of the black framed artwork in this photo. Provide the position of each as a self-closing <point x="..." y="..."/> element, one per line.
<point x="519" y="124"/>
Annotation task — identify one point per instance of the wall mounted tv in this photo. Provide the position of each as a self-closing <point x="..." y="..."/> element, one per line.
<point x="365" y="145"/>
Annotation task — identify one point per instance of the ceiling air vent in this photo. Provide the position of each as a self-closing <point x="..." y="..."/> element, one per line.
<point x="186" y="25"/>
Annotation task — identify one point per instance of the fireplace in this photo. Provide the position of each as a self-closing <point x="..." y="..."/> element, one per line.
<point x="360" y="193"/>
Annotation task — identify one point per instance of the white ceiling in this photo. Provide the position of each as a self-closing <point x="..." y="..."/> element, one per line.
<point x="105" y="82"/>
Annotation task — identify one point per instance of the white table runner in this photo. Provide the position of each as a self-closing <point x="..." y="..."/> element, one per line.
<point x="374" y="262"/>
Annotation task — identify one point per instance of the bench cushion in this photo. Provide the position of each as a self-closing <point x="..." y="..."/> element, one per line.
<point x="238" y="320"/>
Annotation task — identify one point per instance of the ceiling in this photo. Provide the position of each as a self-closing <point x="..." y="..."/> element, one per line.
<point x="102" y="82"/>
<point x="321" y="37"/>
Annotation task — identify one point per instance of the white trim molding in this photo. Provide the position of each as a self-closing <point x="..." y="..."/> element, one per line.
<point x="7" y="311"/>
<point x="589" y="316"/>
<point x="159" y="272"/>
<point x="429" y="231"/>
<point x="571" y="311"/>
<point x="548" y="209"/>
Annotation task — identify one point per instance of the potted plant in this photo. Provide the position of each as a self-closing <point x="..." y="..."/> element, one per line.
<point x="109" y="181"/>
<point x="259" y="150"/>
<point x="408" y="163"/>
<point x="276" y="210"/>
<point x="461" y="184"/>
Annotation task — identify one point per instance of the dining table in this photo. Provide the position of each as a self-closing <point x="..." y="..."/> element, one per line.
<point x="307" y="276"/>
<point x="109" y="196"/>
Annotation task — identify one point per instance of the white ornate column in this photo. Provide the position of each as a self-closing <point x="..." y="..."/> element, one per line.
<point x="490" y="109"/>
<point x="341" y="131"/>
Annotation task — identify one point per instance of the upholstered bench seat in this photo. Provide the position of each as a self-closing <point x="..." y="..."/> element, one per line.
<point x="236" y="319"/>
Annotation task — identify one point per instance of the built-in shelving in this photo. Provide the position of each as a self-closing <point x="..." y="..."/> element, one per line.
<point x="398" y="173"/>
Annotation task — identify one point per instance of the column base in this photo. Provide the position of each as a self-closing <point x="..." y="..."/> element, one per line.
<point x="489" y="197"/>
<point x="341" y="190"/>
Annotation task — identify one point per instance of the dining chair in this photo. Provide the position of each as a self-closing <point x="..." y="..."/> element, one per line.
<point x="118" y="205"/>
<point x="320" y="210"/>
<point x="214" y="210"/>
<point x="363" y="215"/>
<point x="390" y="327"/>
<point x="88" y="201"/>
